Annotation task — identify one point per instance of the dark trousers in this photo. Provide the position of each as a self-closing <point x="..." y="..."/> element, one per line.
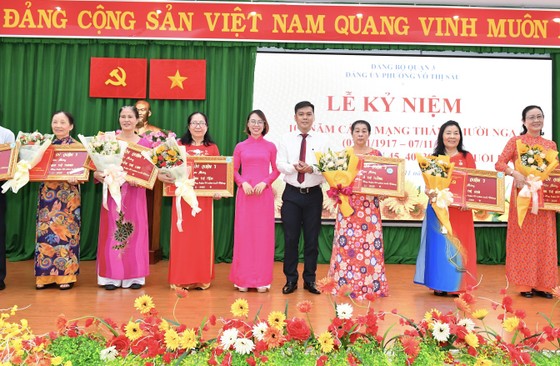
<point x="301" y="208"/>
<point x="2" y="237"/>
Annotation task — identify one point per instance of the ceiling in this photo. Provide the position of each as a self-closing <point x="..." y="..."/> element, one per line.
<point x="545" y="4"/>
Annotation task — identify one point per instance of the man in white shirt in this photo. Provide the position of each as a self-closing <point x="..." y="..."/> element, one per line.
<point x="6" y="137"/>
<point x="302" y="198"/>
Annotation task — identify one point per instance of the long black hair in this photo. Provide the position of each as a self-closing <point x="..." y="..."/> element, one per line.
<point x="440" y="147"/>
<point x="187" y="138"/>
<point x="524" y="115"/>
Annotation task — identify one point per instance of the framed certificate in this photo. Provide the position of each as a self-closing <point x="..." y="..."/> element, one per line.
<point x="60" y="163"/>
<point x="482" y="189"/>
<point x="8" y="160"/>
<point x="212" y="174"/>
<point x="380" y="176"/>
<point x="458" y="187"/>
<point x="139" y="170"/>
<point x="551" y="191"/>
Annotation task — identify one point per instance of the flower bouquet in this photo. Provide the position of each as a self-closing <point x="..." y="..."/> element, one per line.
<point x="436" y="172"/>
<point x="171" y="158"/>
<point x="535" y="163"/>
<point x="339" y="169"/>
<point x="32" y="146"/>
<point x="107" y="153"/>
<point x="157" y="138"/>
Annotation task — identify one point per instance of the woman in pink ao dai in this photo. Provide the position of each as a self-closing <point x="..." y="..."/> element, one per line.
<point x="253" y="249"/>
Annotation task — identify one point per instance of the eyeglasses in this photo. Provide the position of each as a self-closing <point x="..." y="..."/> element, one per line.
<point x="198" y="124"/>
<point x="534" y="118"/>
<point x="256" y="122"/>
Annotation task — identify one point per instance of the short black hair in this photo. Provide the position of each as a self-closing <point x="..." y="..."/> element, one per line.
<point x="304" y="104"/>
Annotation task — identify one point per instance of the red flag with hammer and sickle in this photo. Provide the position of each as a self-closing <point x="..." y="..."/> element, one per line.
<point x="118" y="77"/>
<point x="177" y="79"/>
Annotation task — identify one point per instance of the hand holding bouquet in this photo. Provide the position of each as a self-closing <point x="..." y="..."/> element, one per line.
<point x="171" y="158"/>
<point x="107" y="153"/>
<point x="32" y="147"/>
<point x="157" y="138"/>
<point x="535" y="163"/>
<point x="339" y="169"/>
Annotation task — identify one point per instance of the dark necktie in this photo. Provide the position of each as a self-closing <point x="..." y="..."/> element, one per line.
<point x="302" y="150"/>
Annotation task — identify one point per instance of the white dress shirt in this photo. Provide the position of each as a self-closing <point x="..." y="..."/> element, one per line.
<point x="6" y="136"/>
<point x="288" y="155"/>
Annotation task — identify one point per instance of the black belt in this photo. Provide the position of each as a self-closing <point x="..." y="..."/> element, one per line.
<point x="302" y="190"/>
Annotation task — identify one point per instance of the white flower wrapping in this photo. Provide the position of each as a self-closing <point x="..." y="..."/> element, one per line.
<point x="531" y="190"/>
<point x="184" y="187"/>
<point x="443" y="198"/>
<point x="29" y="156"/>
<point x="107" y="153"/>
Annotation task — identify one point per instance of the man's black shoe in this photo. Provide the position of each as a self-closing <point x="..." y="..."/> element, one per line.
<point x="310" y="286"/>
<point x="546" y="295"/>
<point x="289" y="287"/>
<point x="2" y="285"/>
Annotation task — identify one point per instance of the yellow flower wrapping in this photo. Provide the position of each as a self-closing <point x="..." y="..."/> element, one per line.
<point x="523" y="199"/>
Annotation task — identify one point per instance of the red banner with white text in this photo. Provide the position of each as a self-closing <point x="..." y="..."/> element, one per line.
<point x="279" y="22"/>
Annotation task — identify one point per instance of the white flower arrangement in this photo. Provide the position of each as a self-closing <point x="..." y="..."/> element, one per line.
<point x="332" y="161"/>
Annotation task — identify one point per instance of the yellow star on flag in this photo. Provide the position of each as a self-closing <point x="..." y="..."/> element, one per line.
<point x="177" y="80"/>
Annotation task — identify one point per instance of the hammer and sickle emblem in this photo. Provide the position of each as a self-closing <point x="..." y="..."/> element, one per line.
<point x="118" y="77"/>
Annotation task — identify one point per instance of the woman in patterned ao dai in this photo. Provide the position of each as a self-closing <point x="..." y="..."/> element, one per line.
<point x="357" y="259"/>
<point x="531" y="251"/>
<point x="57" y="252"/>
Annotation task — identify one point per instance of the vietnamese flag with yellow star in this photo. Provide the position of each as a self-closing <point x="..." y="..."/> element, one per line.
<point x="118" y="77"/>
<point x="178" y="79"/>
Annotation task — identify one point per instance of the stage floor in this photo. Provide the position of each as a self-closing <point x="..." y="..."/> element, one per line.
<point x="86" y="298"/>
